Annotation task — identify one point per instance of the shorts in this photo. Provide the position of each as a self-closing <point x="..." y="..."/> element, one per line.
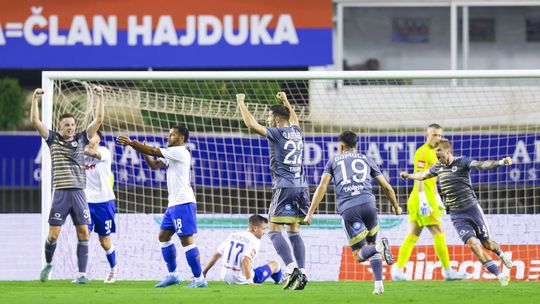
<point x="102" y="217"/>
<point x="289" y="205"/>
<point x="181" y="219"/>
<point x="471" y="222"/>
<point x="72" y="202"/>
<point x="361" y="224"/>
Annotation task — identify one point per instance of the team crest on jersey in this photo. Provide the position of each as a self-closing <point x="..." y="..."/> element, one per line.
<point x="454" y="168"/>
<point x="421" y="164"/>
<point x="288" y="207"/>
<point x="357" y="226"/>
<point x="74" y="144"/>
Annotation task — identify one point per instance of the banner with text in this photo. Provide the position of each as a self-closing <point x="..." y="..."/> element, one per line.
<point x="234" y="161"/>
<point x="165" y="34"/>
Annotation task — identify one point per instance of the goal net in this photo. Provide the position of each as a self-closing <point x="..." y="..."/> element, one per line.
<point x="487" y="116"/>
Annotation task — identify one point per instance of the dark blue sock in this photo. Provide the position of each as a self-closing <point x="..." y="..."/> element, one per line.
<point x="193" y="259"/>
<point x="111" y="257"/>
<point x="277" y="276"/>
<point x="376" y="265"/>
<point x="491" y="267"/>
<point x="50" y="247"/>
<point x="298" y="249"/>
<point x="168" y="250"/>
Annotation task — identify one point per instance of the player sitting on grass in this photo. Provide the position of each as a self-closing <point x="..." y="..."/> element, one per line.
<point x="352" y="173"/>
<point x="467" y="217"/>
<point x="239" y="250"/>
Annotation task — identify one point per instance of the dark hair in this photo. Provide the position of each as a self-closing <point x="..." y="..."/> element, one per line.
<point x="435" y="126"/>
<point x="444" y="143"/>
<point x="66" y="115"/>
<point x="257" y="220"/>
<point x="348" y="138"/>
<point x="281" y="111"/>
<point x="182" y="130"/>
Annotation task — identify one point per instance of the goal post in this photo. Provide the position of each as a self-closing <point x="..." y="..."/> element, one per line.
<point x="487" y="114"/>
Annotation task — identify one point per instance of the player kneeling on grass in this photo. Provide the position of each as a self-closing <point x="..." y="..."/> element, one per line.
<point x="352" y="173"/>
<point x="239" y="250"/>
<point x="467" y="217"/>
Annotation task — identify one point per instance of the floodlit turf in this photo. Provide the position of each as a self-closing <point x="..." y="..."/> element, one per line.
<point x="316" y="292"/>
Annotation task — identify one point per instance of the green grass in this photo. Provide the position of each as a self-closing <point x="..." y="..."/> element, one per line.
<point x="316" y="292"/>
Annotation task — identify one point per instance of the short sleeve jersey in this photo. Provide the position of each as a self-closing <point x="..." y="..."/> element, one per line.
<point x="456" y="186"/>
<point x="178" y="162"/>
<point x="98" y="177"/>
<point x="67" y="160"/>
<point x="353" y="173"/>
<point x="287" y="149"/>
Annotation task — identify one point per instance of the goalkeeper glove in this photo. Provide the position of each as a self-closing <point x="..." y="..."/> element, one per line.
<point x="425" y="208"/>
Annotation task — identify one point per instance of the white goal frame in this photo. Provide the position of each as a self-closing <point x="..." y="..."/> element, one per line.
<point x="48" y="78"/>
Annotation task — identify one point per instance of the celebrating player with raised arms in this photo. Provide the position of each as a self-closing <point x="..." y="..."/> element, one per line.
<point x="181" y="214"/>
<point x="69" y="180"/>
<point x="352" y="173"/>
<point x="239" y="250"/>
<point x="462" y="203"/>
<point x="290" y="194"/>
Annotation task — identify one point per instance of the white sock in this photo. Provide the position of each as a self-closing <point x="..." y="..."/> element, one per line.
<point x="379" y="247"/>
<point x="82" y="274"/>
<point x="378" y="284"/>
<point x="289" y="268"/>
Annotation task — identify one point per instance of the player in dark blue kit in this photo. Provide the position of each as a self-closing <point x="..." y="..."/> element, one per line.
<point x="467" y="217"/>
<point x="290" y="194"/>
<point x="352" y="173"/>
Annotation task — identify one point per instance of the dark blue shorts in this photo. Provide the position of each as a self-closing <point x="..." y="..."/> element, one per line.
<point x="181" y="219"/>
<point x="361" y="224"/>
<point x="72" y="202"/>
<point x="261" y="274"/>
<point x="471" y="222"/>
<point x="289" y="205"/>
<point x="102" y="217"/>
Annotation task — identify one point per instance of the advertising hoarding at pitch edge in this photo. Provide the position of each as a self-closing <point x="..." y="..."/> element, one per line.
<point x="165" y="34"/>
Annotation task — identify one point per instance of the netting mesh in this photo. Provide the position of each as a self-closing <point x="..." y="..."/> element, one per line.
<point x="485" y="119"/>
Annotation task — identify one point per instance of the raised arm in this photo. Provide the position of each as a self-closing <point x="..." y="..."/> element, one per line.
<point x="249" y="120"/>
<point x="93" y="127"/>
<point x="139" y="147"/>
<point x="92" y="152"/>
<point x="389" y="192"/>
<point x="34" y="114"/>
<point x="211" y="263"/>
<point x="491" y="164"/>
<point x="293" y="120"/>
<point x="419" y="176"/>
<point x="317" y="197"/>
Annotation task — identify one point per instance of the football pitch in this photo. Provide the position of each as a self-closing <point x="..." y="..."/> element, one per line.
<point x="433" y="292"/>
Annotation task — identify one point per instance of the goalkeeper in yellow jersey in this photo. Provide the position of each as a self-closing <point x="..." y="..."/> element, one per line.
<point x="426" y="210"/>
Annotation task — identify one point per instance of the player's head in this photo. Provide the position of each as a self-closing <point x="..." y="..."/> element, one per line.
<point x="433" y="134"/>
<point x="444" y="150"/>
<point x="257" y="225"/>
<point x="96" y="139"/>
<point x="278" y="115"/>
<point x="347" y="141"/>
<point x="67" y="125"/>
<point x="178" y="135"/>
